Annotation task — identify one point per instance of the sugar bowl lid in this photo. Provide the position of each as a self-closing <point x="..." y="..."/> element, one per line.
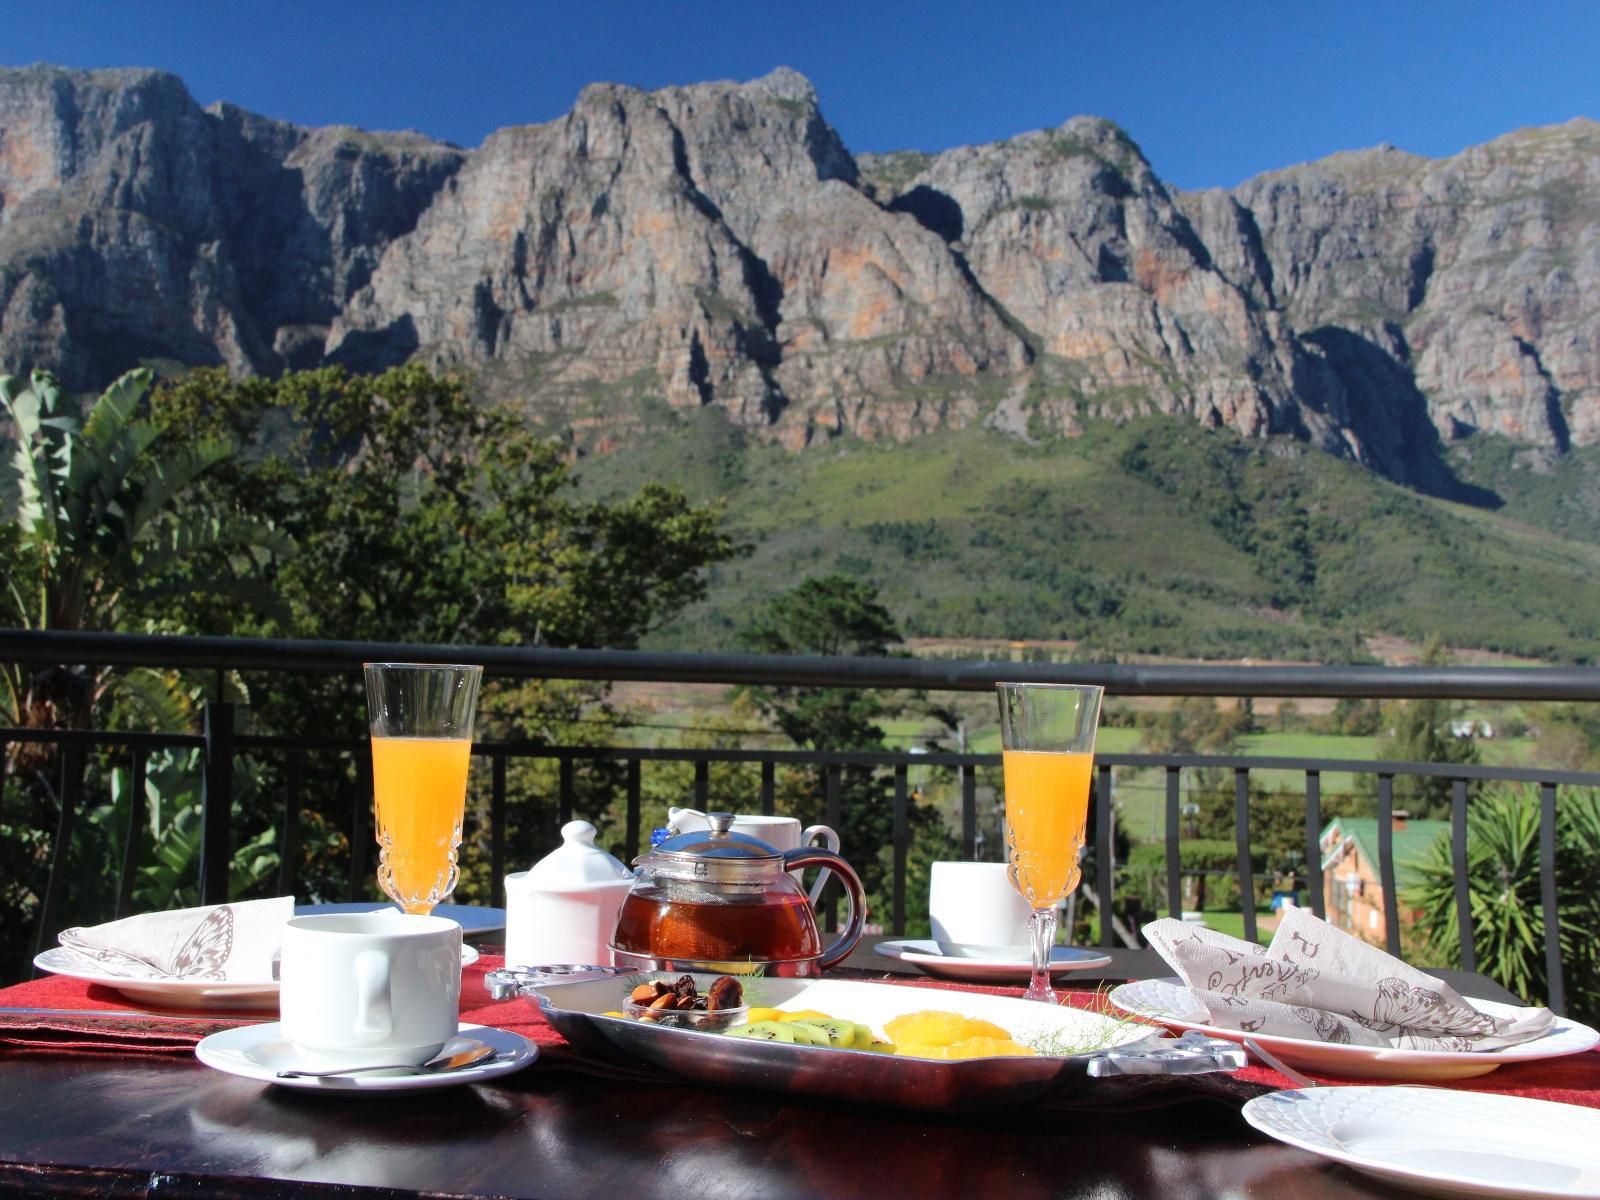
<point x="716" y="854"/>
<point x="577" y="862"/>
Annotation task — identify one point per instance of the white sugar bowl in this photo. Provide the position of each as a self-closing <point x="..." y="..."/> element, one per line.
<point x="564" y="908"/>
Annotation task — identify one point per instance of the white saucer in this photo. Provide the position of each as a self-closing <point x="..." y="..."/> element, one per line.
<point x="1442" y="1142"/>
<point x="986" y="964"/>
<point x="259" y="1052"/>
<point x="175" y="991"/>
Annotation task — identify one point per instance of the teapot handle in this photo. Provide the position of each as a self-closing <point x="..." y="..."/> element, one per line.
<point x="855" y="919"/>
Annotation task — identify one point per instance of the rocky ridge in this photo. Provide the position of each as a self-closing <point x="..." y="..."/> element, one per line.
<point x="719" y="245"/>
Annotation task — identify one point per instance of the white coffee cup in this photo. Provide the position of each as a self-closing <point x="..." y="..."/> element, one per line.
<point x="360" y="989"/>
<point x="972" y="904"/>
<point x="781" y="833"/>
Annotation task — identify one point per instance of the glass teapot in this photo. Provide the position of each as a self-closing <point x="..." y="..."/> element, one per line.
<point x="724" y="902"/>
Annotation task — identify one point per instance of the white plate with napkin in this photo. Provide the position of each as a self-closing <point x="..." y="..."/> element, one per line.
<point x="218" y="956"/>
<point x="1329" y="1002"/>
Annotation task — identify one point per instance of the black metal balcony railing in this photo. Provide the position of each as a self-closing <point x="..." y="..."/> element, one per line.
<point x="221" y="745"/>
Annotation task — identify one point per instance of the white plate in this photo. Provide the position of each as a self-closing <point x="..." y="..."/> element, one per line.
<point x="196" y="994"/>
<point x="1441" y="1142"/>
<point x="986" y="964"/>
<point x="259" y="1052"/>
<point x="1170" y="1003"/>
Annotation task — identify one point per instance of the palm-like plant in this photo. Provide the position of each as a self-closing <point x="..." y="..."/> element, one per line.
<point x="1504" y="893"/>
<point x="105" y="525"/>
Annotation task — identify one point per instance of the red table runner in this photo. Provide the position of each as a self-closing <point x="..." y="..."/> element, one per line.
<point x="1574" y="1079"/>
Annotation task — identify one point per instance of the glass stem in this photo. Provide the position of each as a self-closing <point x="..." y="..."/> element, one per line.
<point x="1042" y="928"/>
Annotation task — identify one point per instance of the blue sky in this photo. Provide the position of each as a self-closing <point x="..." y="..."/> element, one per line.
<point x="1213" y="90"/>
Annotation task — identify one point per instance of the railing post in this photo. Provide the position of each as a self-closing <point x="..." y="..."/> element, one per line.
<point x="1104" y="853"/>
<point x="769" y="775"/>
<point x="1174" y="854"/>
<point x="1241" y="836"/>
<point x="969" y="811"/>
<point x="631" y="833"/>
<point x="1556" y="990"/>
<point x="130" y="843"/>
<point x="1391" y="894"/>
<point x="1458" y="866"/>
<point x="72" y="767"/>
<point x="497" y="825"/>
<point x="216" y="803"/>
<point x="288" y="858"/>
<point x="1319" y="904"/>
<point x="566" y="797"/>
<point x="901" y="845"/>
<point x="361" y="817"/>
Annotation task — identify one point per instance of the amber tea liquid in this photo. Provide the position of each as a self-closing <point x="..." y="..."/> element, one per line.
<point x="762" y="928"/>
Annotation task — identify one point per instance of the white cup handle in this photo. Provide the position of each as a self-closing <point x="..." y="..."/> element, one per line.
<point x="830" y="839"/>
<point x="374" y="1013"/>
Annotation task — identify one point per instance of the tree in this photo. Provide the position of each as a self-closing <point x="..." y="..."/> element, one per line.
<point x="423" y="515"/>
<point x="834" y="615"/>
<point x="420" y="514"/>
<point x="110" y="521"/>
<point x="1420" y="732"/>
<point x="1504" y="895"/>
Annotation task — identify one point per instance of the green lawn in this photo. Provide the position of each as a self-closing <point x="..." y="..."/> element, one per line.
<point x="1232" y="923"/>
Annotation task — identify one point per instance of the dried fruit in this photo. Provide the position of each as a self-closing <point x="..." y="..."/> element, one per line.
<point x="725" y="992"/>
<point x="664" y="1002"/>
<point x="645" y="993"/>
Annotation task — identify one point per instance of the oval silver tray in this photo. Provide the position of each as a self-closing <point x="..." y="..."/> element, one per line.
<point x="1100" y="1056"/>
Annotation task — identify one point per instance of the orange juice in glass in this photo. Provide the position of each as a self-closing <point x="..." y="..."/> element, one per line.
<point x="1047" y="748"/>
<point x="421" y="719"/>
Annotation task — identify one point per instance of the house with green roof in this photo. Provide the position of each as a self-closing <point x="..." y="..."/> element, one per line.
<point x="1351" y="885"/>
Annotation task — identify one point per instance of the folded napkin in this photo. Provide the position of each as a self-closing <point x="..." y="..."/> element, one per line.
<point x="235" y="943"/>
<point x="1319" y="983"/>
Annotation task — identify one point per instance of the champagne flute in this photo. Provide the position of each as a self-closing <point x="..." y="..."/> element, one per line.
<point x="421" y="719"/>
<point x="1047" y="741"/>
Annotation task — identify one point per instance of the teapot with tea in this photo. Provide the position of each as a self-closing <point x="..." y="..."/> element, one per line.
<point x="722" y="902"/>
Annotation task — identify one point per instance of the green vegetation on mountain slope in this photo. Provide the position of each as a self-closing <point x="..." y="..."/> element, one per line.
<point x="1158" y="537"/>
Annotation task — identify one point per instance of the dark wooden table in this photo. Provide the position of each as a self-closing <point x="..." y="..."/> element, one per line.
<point x="82" y="1125"/>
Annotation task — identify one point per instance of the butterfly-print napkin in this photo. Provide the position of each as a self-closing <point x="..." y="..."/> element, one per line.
<point x="235" y="943"/>
<point x="1319" y="983"/>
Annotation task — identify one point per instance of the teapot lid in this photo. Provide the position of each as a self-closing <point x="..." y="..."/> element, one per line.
<point x="717" y="854"/>
<point x="577" y="861"/>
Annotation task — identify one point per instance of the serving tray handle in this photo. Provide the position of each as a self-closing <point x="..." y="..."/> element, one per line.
<point x="509" y="982"/>
<point x="1191" y="1054"/>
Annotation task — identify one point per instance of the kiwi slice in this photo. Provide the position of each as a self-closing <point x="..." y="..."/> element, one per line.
<point x="839" y="1033"/>
<point x="765" y="1031"/>
<point x="807" y="1032"/>
<point x="863" y="1038"/>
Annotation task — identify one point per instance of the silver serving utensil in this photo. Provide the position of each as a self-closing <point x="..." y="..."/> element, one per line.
<point x="473" y="1052"/>
<point x="1278" y="1065"/>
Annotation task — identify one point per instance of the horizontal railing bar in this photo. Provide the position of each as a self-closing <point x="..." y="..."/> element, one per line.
<point x="1124" y="679"/>
<point x="861" y="758"/>
<point x="106" y="737"/>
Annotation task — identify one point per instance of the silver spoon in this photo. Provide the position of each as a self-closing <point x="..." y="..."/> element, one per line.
<point x="473" y="1052"/>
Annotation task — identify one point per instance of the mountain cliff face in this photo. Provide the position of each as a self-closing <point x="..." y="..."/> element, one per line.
<point x="719" y="245"/>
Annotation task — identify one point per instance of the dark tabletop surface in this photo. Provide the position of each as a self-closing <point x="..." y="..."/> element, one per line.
<point x="168" y="1126"/>
<point x="98" y="1126"/>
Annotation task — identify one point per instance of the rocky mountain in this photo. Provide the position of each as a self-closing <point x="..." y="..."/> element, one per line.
<point x="719" y="245"/>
